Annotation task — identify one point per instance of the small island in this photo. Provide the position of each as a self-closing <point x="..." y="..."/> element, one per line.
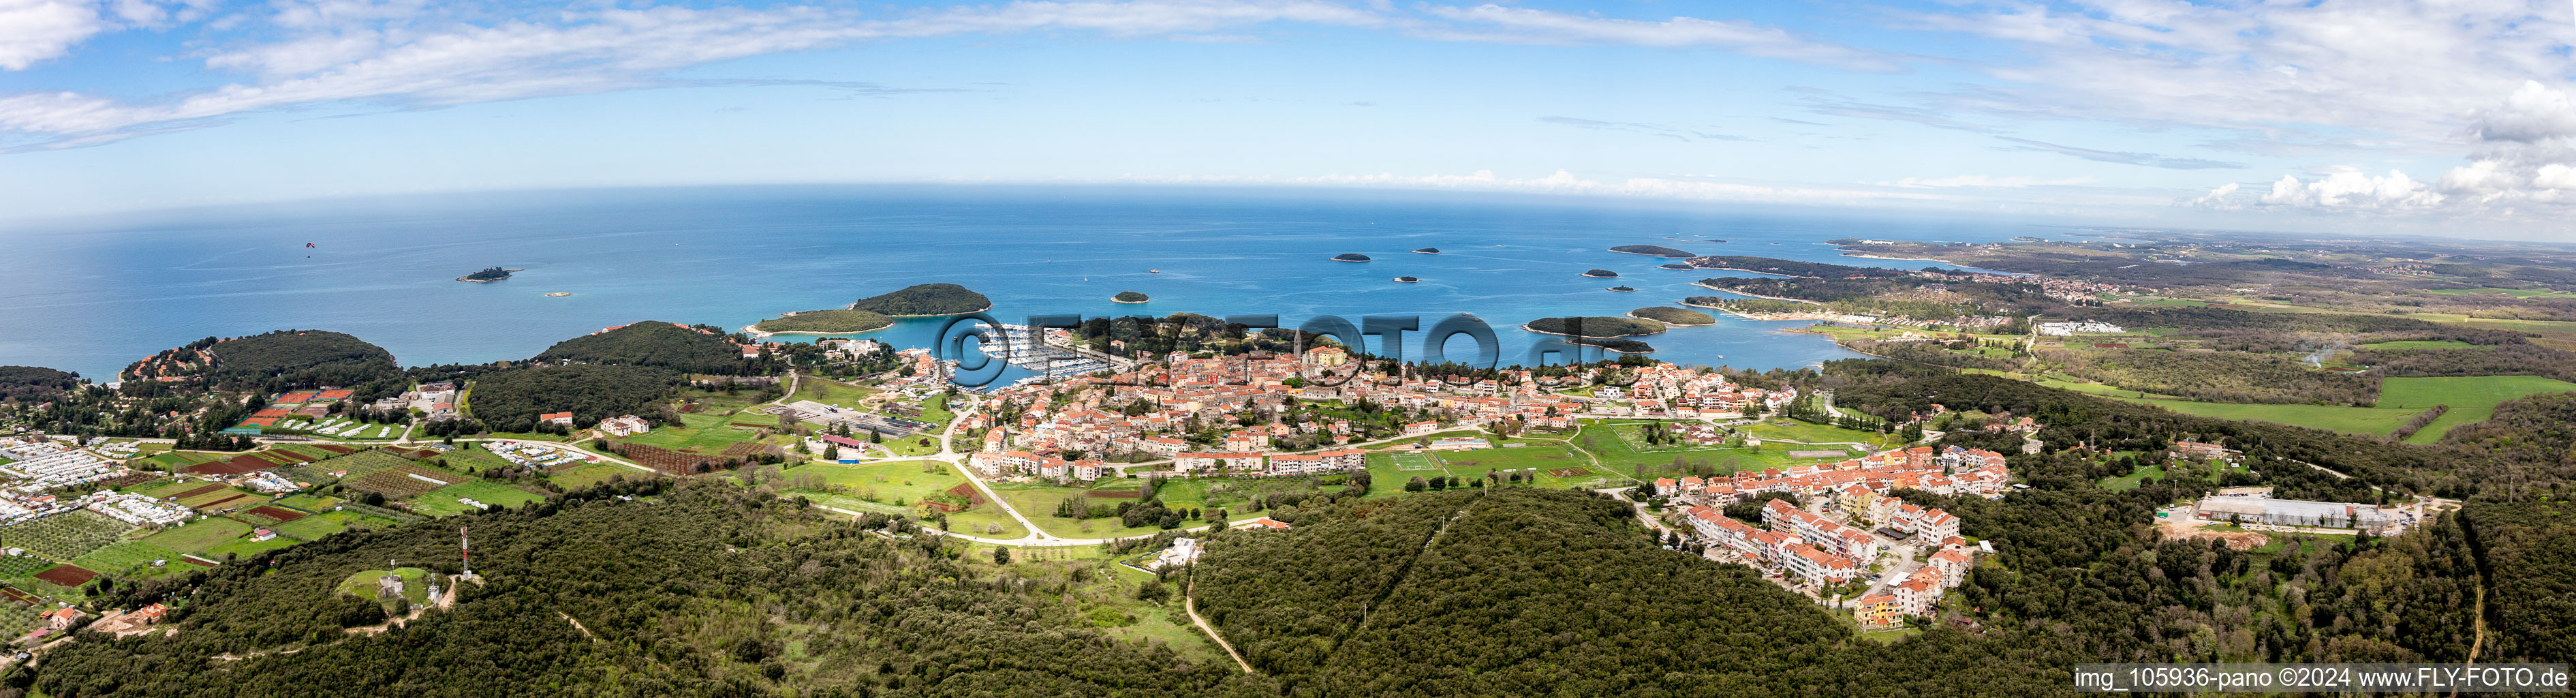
<point x="1621" y="289"/>
<point x="1427" y="250"/>
<point x="1675" y="266"/>
<point x="833" y="321"/>
<point x="489" y="275"/>
<point x="1128" y="297"/>
<point x="1598" y="327"/>
<point x="925" y="300"/>
<point x="1350" y="257"/>
<point x="1601" y="274"/>
<point x="1651" y="251"/>
<point x="1407" y="280"/>
<point x="1673" y="316"/>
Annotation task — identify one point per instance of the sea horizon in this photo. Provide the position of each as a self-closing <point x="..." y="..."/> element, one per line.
<point x="383" y="268"/>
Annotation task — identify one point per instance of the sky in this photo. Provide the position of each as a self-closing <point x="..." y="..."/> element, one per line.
<point x="2360" y="116"/>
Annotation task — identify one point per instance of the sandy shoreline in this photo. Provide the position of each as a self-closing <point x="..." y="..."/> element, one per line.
<point x="1756" y="295"/>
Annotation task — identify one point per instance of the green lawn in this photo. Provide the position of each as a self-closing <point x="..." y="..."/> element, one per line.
<point x="245" y="547"/>
<point x="1614" y="444"/>
<point x="311" y="527"/>
<point x="2472" y="399"/>
<point x="2349" y="420"/>
<point x="442" y="501"/>
<point x="830" y="393"/>
<point x="200" y="536"/>
<point x="2132" y="480"/>
<point x="704" y="432"/>
<point x="1793" y="430"/>
<point x="900" y="483"/>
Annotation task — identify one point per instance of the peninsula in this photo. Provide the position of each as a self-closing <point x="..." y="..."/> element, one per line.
<point x="925" y="300"/>
<point x="830" y="321"/>
<point x="1673" y="316"/>
<point x="489" y="275"/>
<point x="1650" y="250"/>
<point x="1596" y="327"/>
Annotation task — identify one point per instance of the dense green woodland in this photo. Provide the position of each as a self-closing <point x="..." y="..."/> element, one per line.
<point x="925" y="299"/>
<point x="34" y="384"/>
<point x="659" y="344"/>
<point x="704" y="590"/>
<point x="511" y="400"/>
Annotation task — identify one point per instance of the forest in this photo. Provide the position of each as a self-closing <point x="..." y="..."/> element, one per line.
<point x="662" y="344"/>
<point x="34" y="383"/>
<point x="831" y="321"/>
<point x="695" y="589"/>
<point x="925" y="299"/>
<point x="511" y="400"/>
<point x="281" y="360"/>
<point x="1597" y="326"/>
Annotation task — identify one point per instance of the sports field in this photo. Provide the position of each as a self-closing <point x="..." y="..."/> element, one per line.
<point x="1412" y="461"/>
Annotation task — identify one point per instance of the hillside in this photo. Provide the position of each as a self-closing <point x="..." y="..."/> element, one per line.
<point x="649" y="343"/>
<point x="832" y="321"/>
<point x="925" y="299"/>
<point x="34" y="383"/>
<point x="279" y="360"/>
<point x="695" y="589"/>
<point x="1600" y="326"/>
<point x="511" y="400"/>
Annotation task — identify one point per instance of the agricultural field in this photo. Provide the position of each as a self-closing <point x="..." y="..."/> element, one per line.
<point x="404" y="481"/>
<point x="199" y="536"/>
<point x="174" y="460"/>
<point x="313" y="527"/>
<point x="467" y="458"/>
<point x="127" y="557"/>
<point x="1802" y="432"/>
<point x="245" y="547"/>
<point x="64" y="536"/>
<point x="2472" y="400"/>
<point x="208" y="497"/>
<point x="585" y="475"/>
<point x="443" y="501"/>
<point x="360" y="464"/>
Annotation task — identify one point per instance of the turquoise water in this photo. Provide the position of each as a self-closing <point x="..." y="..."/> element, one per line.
<point x="94" y="296"/>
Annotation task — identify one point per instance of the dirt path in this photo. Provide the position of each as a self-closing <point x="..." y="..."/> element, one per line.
<point x="576" y="625"/>
<point x="1191" y="606"/>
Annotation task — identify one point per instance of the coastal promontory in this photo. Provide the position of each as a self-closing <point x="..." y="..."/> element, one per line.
<point x="832" y="321"/>
<point x="1350" y="257"/>
<point x="922" y="300"/>
<point x="1673" y="316"/>
<point x="1129" y="297"/>
<point x="1650" y="250"/>
<point x="1596" y="327"/>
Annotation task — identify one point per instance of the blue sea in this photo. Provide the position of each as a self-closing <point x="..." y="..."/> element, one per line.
<point x="94" y="295"/>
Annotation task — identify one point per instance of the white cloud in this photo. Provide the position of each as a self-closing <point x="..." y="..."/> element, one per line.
<point x="2346" y="190"/>
<point x="411" y="53"/>
<point x="2403" y="67"/>
<point x="35" y="30"/>
<point x="1491" y="22"/>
